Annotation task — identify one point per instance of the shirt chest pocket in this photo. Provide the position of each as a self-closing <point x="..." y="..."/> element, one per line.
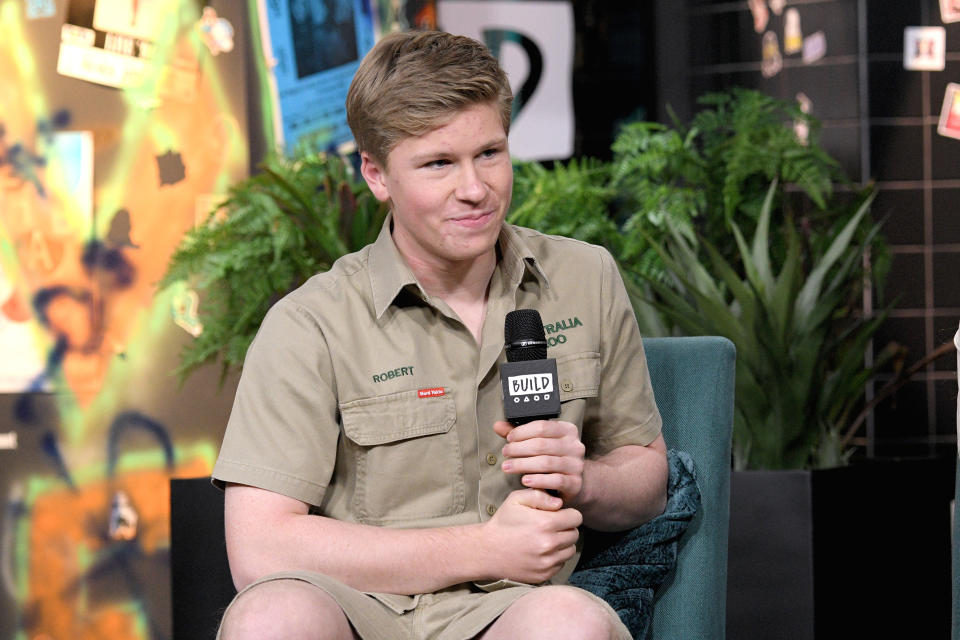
<point x="578" y="375"/>
<point x="407" y="455"/>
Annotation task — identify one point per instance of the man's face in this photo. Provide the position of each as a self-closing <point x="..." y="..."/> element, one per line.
<point x="449" y="188"/>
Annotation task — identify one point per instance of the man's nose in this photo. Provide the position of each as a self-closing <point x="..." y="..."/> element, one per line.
<point x="471" y="187"/>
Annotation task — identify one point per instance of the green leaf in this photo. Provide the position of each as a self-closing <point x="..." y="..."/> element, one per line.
<point x="807" y="298"/>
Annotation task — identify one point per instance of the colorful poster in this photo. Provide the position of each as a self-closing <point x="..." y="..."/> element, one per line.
<point x="100" y="176"/>
<point x="313" y="49"/>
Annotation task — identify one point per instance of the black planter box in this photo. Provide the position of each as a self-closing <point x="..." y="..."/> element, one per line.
<point x="853" y="552"/>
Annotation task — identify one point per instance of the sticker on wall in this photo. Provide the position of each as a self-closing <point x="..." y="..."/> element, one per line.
<point x="184" y="308"/>
<point x="950" y="10"/>
<point x="801" y="126"/>
<point x="924" y="48"/>
<point x="950" y="113"/>
<point x="171" y="168"/>
<point x="216" y="32"/>
<point x="792" y="33"/>
<point x="41" y="9"/>
<point x="772" y="61"/>
<point x="814" y="47"/>
<point x="123" y="518"/>
<point x="114" y="43"/>
<point x="777" y="6"/>
<point x="8" y="441"/>
<point x="760" y="15"/>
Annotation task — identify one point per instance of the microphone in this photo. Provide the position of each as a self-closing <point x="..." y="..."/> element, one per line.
<point x="528" y="377"/>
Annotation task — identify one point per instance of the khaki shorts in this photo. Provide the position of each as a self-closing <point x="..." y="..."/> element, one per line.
<point x="460" y="612"/>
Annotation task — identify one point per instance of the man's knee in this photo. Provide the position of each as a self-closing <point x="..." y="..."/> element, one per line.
<point x="290" y="609"/>
<point x="559" y="612"/>
<point x="576" y="609"/>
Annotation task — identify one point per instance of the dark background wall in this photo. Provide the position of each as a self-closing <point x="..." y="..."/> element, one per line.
<point x="880" y="122"/>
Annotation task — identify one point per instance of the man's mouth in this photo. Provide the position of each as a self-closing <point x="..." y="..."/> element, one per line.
<point x="474" y="219"/>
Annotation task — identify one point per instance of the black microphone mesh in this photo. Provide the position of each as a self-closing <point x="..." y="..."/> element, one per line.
<point x="524" y="324"/>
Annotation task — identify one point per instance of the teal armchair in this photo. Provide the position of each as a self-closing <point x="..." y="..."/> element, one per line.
<point x="693" y="381"/>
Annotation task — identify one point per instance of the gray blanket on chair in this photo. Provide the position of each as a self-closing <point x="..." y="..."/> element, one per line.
<point x="624" y="568"/>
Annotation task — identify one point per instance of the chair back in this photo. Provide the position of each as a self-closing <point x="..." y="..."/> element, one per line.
<point x="201" y="586"/>
<point x="693" y="382"/>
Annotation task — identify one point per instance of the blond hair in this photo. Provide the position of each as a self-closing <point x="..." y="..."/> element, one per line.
<point x="412" y="82"/>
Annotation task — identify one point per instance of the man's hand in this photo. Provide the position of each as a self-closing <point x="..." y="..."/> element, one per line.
<point x="532" y="536"/>
<point x="548" y="454"/>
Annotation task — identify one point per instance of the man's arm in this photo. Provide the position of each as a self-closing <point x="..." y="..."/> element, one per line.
<point x="527" y="540"/>
<point x="615" y="491"/>
<point x="624" y="488"/>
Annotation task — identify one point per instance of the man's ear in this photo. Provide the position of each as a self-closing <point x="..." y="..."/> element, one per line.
<point x="375" y="175"/>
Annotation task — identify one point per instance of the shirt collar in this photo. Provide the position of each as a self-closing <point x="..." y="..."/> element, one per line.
<point x="517" y="260"/>
<point x="390" y="274"/>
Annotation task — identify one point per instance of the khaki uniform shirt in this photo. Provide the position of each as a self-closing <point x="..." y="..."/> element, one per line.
<point x="369" y="400"/>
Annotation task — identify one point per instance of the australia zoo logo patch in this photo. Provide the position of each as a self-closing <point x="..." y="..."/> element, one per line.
<point x="554" y="329"/>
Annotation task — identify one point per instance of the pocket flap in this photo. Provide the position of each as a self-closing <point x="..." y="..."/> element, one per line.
<point x="579" y="375"/>
<point x="397" y="416"/>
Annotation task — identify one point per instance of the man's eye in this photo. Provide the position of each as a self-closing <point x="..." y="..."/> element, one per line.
<point x="437" y="164"/>
<point x="490" y="153"/>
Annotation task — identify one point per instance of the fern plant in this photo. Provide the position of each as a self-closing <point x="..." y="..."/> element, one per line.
<point x="713" y="172"/>
<point x="274" y="230"/>
<point x="572" y="199"/>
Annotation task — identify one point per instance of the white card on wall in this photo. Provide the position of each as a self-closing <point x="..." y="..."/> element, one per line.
<point x="924" y="48"/>
<point x="534" y="42"/>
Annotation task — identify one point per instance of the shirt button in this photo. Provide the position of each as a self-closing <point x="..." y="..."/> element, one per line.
<point x="491" y="509"/>
<point x="567" y="386"/>
<point x="491" y="459"/>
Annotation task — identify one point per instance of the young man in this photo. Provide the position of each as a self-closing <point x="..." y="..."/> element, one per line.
<point x="373" y="489"/>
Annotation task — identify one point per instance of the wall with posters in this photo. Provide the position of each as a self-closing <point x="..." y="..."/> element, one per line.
<point x="120" y="124"/>
<point x="884" y="80"/>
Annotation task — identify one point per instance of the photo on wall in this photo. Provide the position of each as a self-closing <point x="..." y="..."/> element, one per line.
<point x="950" y="10"/>
<point x="949" y="124"/>
<point x="312" y="49"/>
<point x="324" y="35"/>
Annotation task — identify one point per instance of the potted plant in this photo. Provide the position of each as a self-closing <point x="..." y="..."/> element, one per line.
<point x="808" y="533"/>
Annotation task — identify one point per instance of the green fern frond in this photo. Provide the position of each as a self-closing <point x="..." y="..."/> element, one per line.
<point x="273" y="231"/>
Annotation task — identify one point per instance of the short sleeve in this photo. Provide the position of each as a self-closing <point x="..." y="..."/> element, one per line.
<point x="283" y="429"/>
<point x="624" y="411"/>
